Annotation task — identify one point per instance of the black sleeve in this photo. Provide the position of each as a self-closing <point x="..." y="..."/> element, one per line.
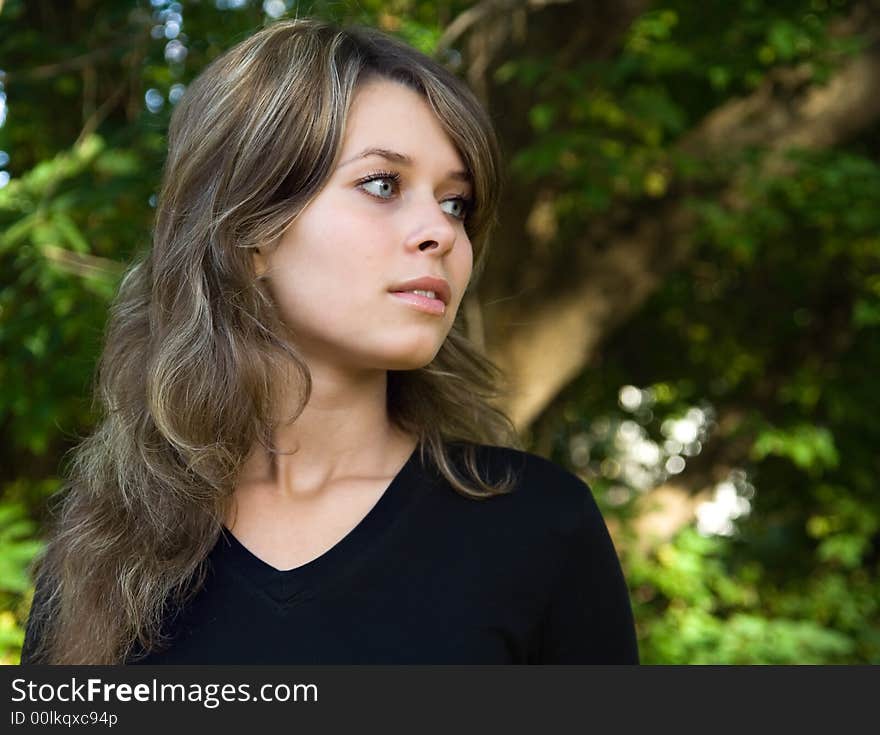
<point x="35" y="623"/>
<point x="589" y="619"/>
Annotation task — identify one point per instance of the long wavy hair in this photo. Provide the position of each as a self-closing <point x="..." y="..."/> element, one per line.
<point x="194" y="349"/>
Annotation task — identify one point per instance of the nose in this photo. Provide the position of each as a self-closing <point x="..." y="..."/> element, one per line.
<point x="432" y="230"/>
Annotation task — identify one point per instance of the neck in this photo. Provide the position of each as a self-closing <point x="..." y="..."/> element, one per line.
<point x="344" y="431"/>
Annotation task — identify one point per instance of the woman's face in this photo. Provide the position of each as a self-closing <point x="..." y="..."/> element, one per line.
<point x="335" y="267"/>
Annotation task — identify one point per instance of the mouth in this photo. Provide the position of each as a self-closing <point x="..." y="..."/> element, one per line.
<point x="426" y="287"/>
<point x="421" y="301"/>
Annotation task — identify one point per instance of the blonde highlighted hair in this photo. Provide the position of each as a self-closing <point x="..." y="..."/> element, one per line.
<point x="194" y="350"/>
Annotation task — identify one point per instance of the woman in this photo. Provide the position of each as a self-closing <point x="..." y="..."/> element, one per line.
<point x="300" y="462"/>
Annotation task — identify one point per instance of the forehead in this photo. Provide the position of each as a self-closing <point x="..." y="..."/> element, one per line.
<point x="390" y="115"/>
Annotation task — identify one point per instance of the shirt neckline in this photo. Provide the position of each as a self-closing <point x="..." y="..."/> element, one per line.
<point x="286" y="586"/>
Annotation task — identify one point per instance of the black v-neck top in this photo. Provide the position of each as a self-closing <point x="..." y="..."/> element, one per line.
<point x="428" y="576"/>
<point x="284" y="588"/>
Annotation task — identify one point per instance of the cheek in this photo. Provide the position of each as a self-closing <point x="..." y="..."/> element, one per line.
<point x="328" y="276"/>
<point x="465" y="263"/>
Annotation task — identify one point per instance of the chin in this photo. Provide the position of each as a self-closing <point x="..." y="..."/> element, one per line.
<point x="412" y="360"/>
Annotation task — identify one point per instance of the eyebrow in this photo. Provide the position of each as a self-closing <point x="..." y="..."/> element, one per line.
<point x="403" y="160"/>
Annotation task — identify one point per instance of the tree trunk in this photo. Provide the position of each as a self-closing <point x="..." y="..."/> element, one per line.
<point x="542" y="316"/>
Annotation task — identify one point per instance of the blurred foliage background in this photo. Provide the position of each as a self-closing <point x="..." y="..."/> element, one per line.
<point x="692" y="190"/>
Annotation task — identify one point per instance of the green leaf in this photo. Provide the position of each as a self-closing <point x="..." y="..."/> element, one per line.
<point x="809" y="447"/>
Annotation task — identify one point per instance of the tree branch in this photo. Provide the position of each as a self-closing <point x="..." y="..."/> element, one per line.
<point x="545" y="351"/>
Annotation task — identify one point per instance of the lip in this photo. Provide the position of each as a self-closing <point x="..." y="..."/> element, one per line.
<point x="422" y="303"/>
<point x="426" y="283"/>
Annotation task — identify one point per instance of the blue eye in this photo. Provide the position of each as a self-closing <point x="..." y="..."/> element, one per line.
<point x="384" y="177"/>
<point x="464" y="205"/>
<point x="388" y="181"/>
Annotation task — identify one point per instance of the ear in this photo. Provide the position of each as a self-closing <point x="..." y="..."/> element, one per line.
<point x="260" y="262"/>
